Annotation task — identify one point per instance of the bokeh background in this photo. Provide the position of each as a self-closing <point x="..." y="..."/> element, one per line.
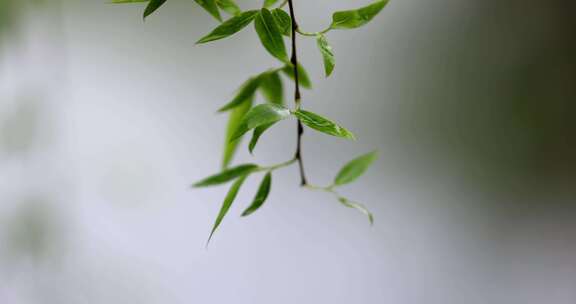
<point x="105" y="121"/>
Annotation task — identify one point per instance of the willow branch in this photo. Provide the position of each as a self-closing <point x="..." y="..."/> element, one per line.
<point x="297" y="95"/>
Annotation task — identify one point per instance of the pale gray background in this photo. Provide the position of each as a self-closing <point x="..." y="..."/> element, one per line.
<point x="106" y="120"/>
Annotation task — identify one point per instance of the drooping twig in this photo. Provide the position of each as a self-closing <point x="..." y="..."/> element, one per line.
<point x="297" y="95"/>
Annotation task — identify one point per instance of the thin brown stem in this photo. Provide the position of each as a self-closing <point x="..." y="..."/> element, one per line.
<point x="297" y="95"/>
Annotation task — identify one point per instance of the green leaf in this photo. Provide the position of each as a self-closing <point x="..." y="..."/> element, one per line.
<point x="327" y="54"/>
<point x="260" y="115"/>
<point x="226" y="175"/>
<point x="245" y="93"/>
<point x="261" y="195"/>
<point x="229" y="6"/>
<point x="211" y="7"/>
<point x="350" y="204"/>
<point x="256" y="136"/>
<point x="153" y="6"/>
<point x="270" y="35"/>
<point x="356" y="18"/>
<point x="283" y="21"/>
<point x="269" y="3"/>
<point x="355" y="168"/>
<point x="271" y="88"/>
<point x="322" y="124"/>
<point x="230" y="147"/>
<point x="230" y="197"/>
<point x="302" y="75"/>
<point x="230" y="27"/>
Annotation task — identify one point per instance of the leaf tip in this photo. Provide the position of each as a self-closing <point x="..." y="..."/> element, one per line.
<point x="223" y="109"/>
<point x="351" y="136"/>
<point x="208" y="241"/>
<point x="196" y="185"/>
<point x="201" y="41"/>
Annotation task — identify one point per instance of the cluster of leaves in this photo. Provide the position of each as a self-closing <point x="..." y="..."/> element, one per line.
<point x="272" y="26"/>
<point x="348" y="174"/>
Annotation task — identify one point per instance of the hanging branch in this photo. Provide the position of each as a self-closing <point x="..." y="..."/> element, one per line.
<point x="247" y="115"/>
<point x="297" y="95"/>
